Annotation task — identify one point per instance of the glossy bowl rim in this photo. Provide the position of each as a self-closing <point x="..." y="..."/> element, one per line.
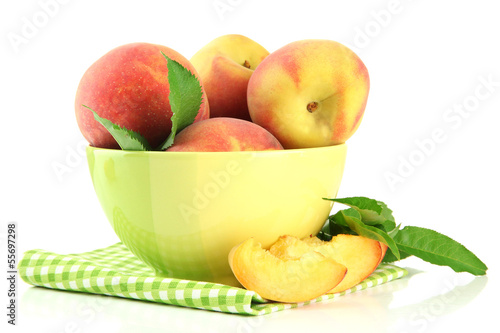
<point x="216" y="153"/>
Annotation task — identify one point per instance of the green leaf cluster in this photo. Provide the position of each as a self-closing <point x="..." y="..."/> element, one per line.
<point x="373" y="219"/>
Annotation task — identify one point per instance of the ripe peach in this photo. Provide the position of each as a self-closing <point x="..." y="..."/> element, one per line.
<point x="309" y="93"/>
<point x="225" y="66"/>
<point x="129" y="86"/>
<point x="224" y="134"/>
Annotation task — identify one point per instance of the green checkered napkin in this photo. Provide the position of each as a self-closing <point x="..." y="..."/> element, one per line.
<point x="116" y="271"/>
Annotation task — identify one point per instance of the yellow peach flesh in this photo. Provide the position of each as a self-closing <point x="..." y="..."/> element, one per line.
<point x="360" y="255"/>
<point x="284" y="280"/>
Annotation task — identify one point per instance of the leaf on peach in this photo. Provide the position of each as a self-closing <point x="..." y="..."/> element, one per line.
<point x="126" y="139"/>
<point x="185" y="98"/>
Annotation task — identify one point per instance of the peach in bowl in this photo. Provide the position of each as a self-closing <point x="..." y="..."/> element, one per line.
<point x="182" y="212"/>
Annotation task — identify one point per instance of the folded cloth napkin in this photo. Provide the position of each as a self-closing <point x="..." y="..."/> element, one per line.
<point x="116" y="271"/>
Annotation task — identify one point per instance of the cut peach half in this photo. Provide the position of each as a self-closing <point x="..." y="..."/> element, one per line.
<point x="281" y="279"/>
<point x="360" y="255"/>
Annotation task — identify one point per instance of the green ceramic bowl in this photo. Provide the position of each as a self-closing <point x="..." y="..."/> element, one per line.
<point x="182" y="212"/>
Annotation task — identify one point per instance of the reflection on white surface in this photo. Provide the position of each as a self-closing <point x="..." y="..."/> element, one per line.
<point x="417" y="303"/>
<point x="438" y="296"/>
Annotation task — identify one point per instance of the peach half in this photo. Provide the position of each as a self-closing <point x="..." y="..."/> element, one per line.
<point x="360" y="255"/>
<point x="290" y="280"/>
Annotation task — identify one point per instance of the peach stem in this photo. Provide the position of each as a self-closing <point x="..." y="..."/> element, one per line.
<point x="311" y="107"/>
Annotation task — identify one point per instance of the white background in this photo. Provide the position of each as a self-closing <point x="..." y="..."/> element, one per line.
<point x="426" y="59"/>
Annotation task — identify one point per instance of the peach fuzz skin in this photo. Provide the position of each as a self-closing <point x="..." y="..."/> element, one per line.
<point x="225" y="65"/>
<point x="129" y="86"/>
<point x="223" y="135"/>
<point x="309" y="93"/>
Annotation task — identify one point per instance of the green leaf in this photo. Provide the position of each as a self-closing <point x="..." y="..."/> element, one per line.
<point x="373" y="219"/>
<point x="331" y="229"/>
<point x="386" y="212"/>
<point x="373" y="212"/>
<point x="352" y="219"/>
<point x="388" y="226"/>
<point x="390" y="257"/>
<point x="324" y="233"/>
<point x="185" y="98"/>
<point x="438" y="249"/>
<point x="392" y="232"/>
<point x="127" y="139"/>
